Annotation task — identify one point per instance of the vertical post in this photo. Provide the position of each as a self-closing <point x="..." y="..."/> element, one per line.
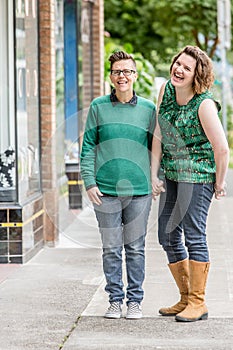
<point x="90" y="33"/>
<point x="71" y="103"/>
<point x="91" y="49"/>
<point x="224" y="24"/>
<point x="71" y="70"/>
<point x="48" y="120"/>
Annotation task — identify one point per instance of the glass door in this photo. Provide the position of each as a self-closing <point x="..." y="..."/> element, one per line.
<point x="7" y="106"/>
<point x="27" y="98"/>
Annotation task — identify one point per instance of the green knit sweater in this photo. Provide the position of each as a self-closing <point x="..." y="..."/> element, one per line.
<point x="115" y="151"/>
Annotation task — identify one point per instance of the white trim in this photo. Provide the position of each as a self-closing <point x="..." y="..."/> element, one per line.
<point x="11" y="70"/>
<point x="26" y="7"/>
<point x="35" y="82"/>
<point x="4" y="78"/>
<point x="34" y="8"/>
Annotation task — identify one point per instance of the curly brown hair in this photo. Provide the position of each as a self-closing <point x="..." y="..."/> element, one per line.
<point x="203" y="75"/>
<point x="121" y="55"/>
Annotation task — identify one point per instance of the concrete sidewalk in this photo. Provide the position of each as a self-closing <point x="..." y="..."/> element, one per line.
<point x="57" y="300"/>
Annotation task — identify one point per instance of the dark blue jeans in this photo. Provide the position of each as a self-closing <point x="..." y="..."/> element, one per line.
<point x="123" y="224"/>
<point x="183" y="211"/>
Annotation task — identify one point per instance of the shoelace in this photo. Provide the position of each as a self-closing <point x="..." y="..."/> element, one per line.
<point x="134" y="307"/>
<point x="115" y="306"/>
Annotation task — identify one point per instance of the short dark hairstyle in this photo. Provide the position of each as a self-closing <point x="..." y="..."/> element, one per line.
<point x="203" y="75"/>
<point x="121" y="55"/>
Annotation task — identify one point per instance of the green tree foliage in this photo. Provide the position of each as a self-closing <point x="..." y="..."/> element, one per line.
<point x="158" y="29"/>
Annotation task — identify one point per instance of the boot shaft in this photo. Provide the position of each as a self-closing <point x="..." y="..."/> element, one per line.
<point x="198" y="279"/>
<point x="180" y="272"/>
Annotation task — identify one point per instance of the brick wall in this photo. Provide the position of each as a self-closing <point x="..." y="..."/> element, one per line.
<point x="48" y="118"/>
<point x="98" y="47"/>
<point x="93" y="86"/>
<point x="93" y="49"/>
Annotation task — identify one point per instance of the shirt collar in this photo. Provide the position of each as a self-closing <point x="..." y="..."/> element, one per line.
<point x="114" y="99"/>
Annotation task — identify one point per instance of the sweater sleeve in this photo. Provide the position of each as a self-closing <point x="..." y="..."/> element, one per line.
<point x="88" y="153"/>
<point x="151" y="128"/>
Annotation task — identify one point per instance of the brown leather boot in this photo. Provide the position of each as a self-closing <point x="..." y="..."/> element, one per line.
<point x="180" y="272"/>
<point x="196" y="308"/>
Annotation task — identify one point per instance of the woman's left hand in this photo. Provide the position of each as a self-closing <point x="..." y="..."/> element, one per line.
<point x="219" y="191"/>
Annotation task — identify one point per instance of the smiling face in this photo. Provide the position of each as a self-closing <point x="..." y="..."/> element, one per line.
<point x="124" y="84"/>
<point x="183" y="71"/>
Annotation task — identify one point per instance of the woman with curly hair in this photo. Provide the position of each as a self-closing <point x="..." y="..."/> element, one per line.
<point x="190" y="158"/>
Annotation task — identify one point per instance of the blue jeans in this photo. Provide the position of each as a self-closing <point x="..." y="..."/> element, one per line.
<point x="123" y="223"/>
<point x="183" y="209"/>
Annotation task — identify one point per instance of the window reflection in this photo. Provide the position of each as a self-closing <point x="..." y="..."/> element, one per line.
<point x="27" y="98"/>
<point x="7" y="122"/>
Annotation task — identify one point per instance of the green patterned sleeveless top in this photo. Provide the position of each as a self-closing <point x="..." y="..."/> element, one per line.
<point x="187" y="154"/>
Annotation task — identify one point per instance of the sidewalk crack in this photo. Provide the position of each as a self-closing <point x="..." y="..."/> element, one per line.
<point x="67" y="336"/>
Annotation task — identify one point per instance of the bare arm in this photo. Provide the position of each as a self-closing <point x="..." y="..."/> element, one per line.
<point x="214" y="131"/>
<point x="156" y="153"/>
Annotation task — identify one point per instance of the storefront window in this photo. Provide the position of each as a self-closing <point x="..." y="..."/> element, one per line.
<point x="27" y="98"/>
<point x="7" y="108"/>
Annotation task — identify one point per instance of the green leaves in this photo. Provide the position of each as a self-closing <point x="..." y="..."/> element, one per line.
<point x="151" y="25"/>
<point x="158" y="29"/>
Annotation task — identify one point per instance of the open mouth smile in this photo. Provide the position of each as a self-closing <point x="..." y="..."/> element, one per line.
<point x="178" y="76"/>
<point x="122" y="82"/>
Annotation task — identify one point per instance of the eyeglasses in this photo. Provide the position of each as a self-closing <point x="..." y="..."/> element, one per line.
<point x="126" y="72"/>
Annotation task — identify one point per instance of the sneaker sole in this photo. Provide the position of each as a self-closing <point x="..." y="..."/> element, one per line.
<point x="133" y="317"/>
<point x="113" y="316"/>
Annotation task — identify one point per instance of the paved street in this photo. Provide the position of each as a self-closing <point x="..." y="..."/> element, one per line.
<point x="57" y="300"/>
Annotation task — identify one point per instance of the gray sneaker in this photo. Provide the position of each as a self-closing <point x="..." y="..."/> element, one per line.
<point x="134" y="311"/>
<point x="114" y="310"/>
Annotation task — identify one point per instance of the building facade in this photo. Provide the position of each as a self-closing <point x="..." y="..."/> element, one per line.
<point x="29" y="137"/>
